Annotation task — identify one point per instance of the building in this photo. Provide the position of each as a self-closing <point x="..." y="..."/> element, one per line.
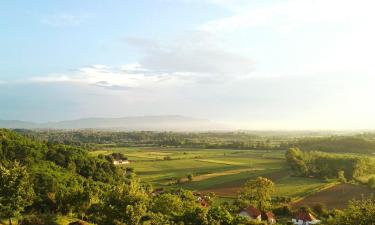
<point x="121" y="162"/>
<point x="269" y="217"/>
<point x="304" y="218"/>
<point x="202" y="200"/>
<point x="251" y="213"/>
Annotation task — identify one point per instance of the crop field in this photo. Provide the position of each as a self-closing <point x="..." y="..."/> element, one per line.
<point x="222" y="171"/>
<point x="225" y="171"/>
<point x="337" y="196"/>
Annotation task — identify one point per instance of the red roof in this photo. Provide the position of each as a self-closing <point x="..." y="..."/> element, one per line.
<point x="269" y="215"/>
<point x="304" y="216"/>
<point x="252" y="211"/>
<point x="204" y="203"/>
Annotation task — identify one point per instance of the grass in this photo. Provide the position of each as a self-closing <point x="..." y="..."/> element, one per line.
<point x="223" y="171"/>
<point x="296" y="187"/>
<point x="336" y="196"/>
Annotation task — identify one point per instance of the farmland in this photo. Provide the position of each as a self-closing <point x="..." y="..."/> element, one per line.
<point x="292" y="178"/>
<point x="337" y="197"/>
<point x="222" y="171"/>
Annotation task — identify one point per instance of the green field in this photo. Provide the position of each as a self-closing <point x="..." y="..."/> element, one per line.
<point x="223" y="171"/>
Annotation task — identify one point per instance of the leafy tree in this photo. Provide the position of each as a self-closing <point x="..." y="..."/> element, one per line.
<point x="328" y="165"/>
<point x="219" y="215"/>
<point x="125" y="203"/>
<point x="359" y="212"/>
<point x="190" y="177"/>
<point x="168" y="204"/>
<point x="341" y="176"/>
<point x="16" y="190"/>
<point x="258" y="192"/>
<point x="320" y="209"/>
<point x="371" y="182"/>
<point x="295" y="159"/>
<point x="195" y="216"/>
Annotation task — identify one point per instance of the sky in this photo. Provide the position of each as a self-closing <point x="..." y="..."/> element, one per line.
<point x="270" y="64"/>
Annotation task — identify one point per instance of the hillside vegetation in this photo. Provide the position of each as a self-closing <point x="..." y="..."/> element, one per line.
<point x="45" y="181"/>
<point x="339" y="144"/>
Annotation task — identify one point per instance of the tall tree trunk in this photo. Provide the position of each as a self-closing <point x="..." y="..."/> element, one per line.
<point x="10" y="221"/>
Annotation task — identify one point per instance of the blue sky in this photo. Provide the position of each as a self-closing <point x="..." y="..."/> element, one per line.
<point x="273" y="64"/>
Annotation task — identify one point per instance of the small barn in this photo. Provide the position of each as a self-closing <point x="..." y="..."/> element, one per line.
<point x="251" y="213"/>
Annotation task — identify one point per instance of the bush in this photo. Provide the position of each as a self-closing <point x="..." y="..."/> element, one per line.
<point x="283" y="210"/>
<point x="79" y="222"/>
<point x="33" y="220"/>
<point x="320" y="209"/>
<point x="371" y="183"/>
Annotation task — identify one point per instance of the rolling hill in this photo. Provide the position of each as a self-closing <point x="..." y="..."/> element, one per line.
<point x="150" y="123"/>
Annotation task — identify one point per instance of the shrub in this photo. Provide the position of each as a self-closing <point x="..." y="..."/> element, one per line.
<point x="32" y="220"/>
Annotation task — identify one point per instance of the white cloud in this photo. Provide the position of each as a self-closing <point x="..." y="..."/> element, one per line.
<point x="197" y="55"/>
<point x="115" y="78"/>
<point x="289" y="14"/>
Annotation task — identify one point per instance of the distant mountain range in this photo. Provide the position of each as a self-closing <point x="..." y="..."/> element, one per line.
<point x="149" y="123"/>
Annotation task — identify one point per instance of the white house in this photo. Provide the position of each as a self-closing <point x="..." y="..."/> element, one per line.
<point x="121" y="162"/>
<point x="304" y="218"/>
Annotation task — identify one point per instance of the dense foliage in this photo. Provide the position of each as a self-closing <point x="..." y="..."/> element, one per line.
<point x="258" y="193"/>
<point x="15" y="190"/>
<point x="41" y="177"/>
<point x="45" y="178"/>
<point x="90" y="139"/>
<point x="360" y="212"/>
<point x="64" y="179"/>
<point x="362" y="144"/>
<point x="325" y="165"/>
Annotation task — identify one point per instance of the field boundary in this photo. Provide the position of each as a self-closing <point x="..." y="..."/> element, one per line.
<point x="314" y="191"/>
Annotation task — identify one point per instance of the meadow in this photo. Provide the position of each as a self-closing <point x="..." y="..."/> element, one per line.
<point x="222" y="171"/>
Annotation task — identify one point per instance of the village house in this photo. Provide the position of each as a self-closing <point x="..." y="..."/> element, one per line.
<point x="251" y="213"/>
<point x="304" y="218"/>
<point x="120" y="162"/>
<point x="269" y="217"/>
<point x="202" y="200"/>
<point x="254" y="214"/>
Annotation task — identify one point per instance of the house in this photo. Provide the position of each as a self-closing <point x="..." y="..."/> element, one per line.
<point x="202" y="200"/>
<point x="203" y="203"/>
<point x="304" y="218"/>
<point x="252" y="213"/>
<point x="120" y="162"/>
<point x="269" y="217"/>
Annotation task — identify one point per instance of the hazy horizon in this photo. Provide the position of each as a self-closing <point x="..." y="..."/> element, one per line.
<point x="275" y="64"/>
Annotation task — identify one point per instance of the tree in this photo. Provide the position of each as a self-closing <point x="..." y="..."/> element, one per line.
<point x="125" y="203"/>
<point x="359" y="212"/>
<point x="190" y="177"/>
<point x="341" y="176"/>
<point x="16" y="190"/>
<point x="219" y="215"/>
<point x="295" y="159"/>
<point x="258" y="192"/>
<point x="371" y="182"/>
<point x="168" y="204"/>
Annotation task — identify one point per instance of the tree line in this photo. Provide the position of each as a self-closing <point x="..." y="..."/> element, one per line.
<point x="90" y="139"/>
<point x="328" y="165"/>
